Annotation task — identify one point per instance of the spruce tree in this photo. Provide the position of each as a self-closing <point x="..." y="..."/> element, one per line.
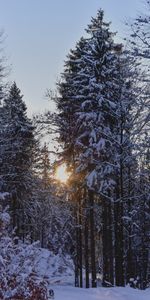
<point x="100" y="119"/>
<point x="87" y="105"/>
<point x="17" y="156"/>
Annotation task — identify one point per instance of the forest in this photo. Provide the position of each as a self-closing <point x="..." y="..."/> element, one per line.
<point x="90" y="204"/>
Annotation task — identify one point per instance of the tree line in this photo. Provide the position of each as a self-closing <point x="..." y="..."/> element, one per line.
<point x="34" y="200"/>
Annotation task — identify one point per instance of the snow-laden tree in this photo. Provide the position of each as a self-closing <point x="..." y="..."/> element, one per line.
<point x="139" y="37"/>
<point x="48" y="217"/>
<point x="140" y="223"/>
<point x="17" y="150"/>
<point x="88" y="124"/>
<point x="139" y="45"/>
<point x="102" y="112"/>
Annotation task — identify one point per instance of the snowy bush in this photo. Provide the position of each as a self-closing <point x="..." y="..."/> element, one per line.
<point x="18" y="280"/>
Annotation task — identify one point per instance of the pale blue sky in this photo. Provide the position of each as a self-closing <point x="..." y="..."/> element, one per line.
<point x="41" y="32"/>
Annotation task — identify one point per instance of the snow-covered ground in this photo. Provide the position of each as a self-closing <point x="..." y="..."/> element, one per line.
<point x="61" y="278"/>
<point x="22" y="260"/>
<point x="72" y="293"/>
<point x="60" y="275"/>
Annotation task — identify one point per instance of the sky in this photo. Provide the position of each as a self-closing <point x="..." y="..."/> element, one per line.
<point x="40" y="33"/>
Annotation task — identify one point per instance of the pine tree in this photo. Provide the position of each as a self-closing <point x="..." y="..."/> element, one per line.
<point x="101" y="105"/>
<point x="87" y="105"/>
<point x="17" y="155"/>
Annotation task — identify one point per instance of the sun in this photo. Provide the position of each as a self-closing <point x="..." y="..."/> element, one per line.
<point x="61" y="174"/>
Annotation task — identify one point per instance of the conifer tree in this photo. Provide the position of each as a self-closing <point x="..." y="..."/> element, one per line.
<point x="100" y="120"/>
<point x="17" y="155"/>
<point x="87" y="105"/>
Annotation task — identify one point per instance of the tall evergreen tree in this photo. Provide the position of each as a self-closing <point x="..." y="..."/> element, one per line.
<point x="87" y="109"/>
<point x="17" y="154"/>
<point x="101" y="105"/>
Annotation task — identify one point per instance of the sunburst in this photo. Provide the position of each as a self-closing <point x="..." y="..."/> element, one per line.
<point x="61" y="173"/>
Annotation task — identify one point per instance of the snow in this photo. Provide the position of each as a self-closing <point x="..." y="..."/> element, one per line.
<point x="117" y="293"/>
<point x="100" y="145"/>
<point x="58" y="272"/>
<point x="56" y="268"/>
<point x="61" y="280"/>
<point x="91" y="179"/>
<point x="31" y="259"/>
<point x="5" y="218"/>
<point x="3" y="195"/>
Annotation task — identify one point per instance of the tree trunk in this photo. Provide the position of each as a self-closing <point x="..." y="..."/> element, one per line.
<point x="92" y="238"/>
<point x="80" y="240"/>
<point x="108" y="251"/>
<point x="130" y="261"/>
<point x="86" y="239"/>
<point x="119" y="236"/>
<point x="76" y="258"/>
